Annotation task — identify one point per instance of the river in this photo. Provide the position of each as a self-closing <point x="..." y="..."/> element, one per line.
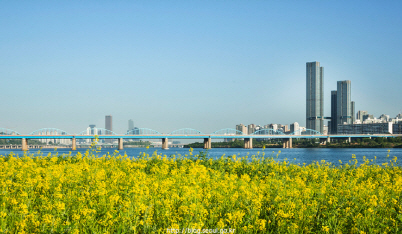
<point x="295" y="155"/>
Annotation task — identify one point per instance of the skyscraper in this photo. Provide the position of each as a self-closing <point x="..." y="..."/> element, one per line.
<point x="130" y="124"/>
<point x="344" y="105"/>
<point x="334" y="123"/>
<point x="108" y="126"/>
<point x="108" y="122"/>
<point x="314" y="96"/>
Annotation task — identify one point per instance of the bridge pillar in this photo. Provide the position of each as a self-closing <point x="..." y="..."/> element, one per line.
<point x="24" y="144"/>
<point x="120" y="146"/>
<point x="287" y="143"/>
<point x="207" y="143"/>
<point x="248" y="143"/>
<point x="165" y="143"/>
<point x="74" y="144"/>
<point x="328" y="139"/>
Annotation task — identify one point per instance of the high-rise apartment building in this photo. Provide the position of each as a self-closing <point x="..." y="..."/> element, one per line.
<point x="273" y="126"/>
<point x="294" y="127"/>
<point x="344" y="106"/>
<point x="241" y="128"/>
<point x="333" y="124"/>
<point x="251" y="128"/>
<point x="314" y="96"/>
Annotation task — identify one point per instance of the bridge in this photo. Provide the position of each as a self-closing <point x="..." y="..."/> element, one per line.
<point x="185" y="133"/>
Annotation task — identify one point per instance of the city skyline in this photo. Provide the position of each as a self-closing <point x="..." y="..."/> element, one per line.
<point x="188" y="64"/>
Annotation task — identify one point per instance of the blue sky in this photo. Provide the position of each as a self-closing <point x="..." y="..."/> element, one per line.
<point x="206" y="65"/>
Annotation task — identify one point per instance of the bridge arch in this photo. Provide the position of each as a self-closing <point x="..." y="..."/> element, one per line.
<point x="228" y="131"/>
<point x="306" y="132"/>
<point x="5" y="131"/>
<point x="267" y="131"/>
<point x="97" y="131"/>
<point x="49" y="131"/>
<point x="143" y="131"/>
<point x="186" y="131"/>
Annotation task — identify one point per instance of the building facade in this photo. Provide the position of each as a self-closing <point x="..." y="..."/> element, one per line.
<point x="372" y="128"/>
<point x="343" y="105"/>
<point x="397" y="128"/>
<point x="314" y="96"/>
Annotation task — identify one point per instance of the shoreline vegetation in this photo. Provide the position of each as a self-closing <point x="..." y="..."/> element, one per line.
<point x="157" y="193"/>
<point x="389" y="142"/>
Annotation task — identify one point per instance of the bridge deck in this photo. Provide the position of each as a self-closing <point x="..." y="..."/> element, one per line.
<point x="189" y="136"/>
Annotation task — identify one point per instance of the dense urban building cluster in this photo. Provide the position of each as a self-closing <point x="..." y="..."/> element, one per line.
<point x="343" y="119"/>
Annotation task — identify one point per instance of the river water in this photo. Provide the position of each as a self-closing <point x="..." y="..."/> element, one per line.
<point x="296" y="155"/>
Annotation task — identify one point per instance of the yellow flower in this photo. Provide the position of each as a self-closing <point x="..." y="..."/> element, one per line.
<point x="325" y="228"/>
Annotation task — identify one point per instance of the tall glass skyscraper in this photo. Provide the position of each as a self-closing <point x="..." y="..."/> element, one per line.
<point x="314" y="96"/>
<point x="344" y="104"/>
<point x="334" y="122"/>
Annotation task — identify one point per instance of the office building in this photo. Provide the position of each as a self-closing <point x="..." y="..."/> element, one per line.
<point x="108" y="126"/>
<point x="352" y="106"/>
<point x="314" y="96"/>
<point x="108" y="122"/>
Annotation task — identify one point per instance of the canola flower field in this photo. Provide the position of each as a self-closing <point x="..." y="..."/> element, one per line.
<point x="156" y="193"/>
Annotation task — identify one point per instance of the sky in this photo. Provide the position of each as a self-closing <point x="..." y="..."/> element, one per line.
<point x="206" y="65"/>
